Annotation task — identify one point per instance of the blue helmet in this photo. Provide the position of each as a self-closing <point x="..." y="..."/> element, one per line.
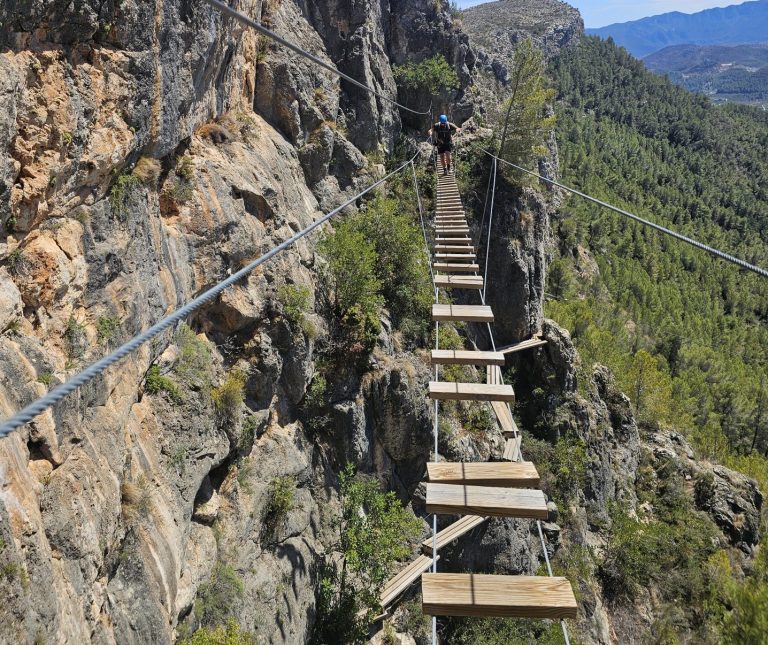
<point x="443" y="118"/>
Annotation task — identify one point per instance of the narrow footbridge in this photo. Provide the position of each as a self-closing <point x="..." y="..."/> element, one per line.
<point x="475" y="492"/>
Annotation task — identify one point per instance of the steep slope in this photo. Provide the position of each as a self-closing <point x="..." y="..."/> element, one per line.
<point x="725" y="72"/>
<point x="736" y="24"/>
<point x="684" y="334"/>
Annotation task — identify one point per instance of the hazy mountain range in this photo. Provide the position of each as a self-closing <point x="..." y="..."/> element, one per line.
<point x="736" y="24"/>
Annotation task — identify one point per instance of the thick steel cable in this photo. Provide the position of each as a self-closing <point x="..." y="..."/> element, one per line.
<point x="91" y="372"/>
<point x="233" y="13"/>
<point x="663" y="229"/>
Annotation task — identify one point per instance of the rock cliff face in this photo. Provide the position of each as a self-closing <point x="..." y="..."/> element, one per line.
<point x="149" y="149"/>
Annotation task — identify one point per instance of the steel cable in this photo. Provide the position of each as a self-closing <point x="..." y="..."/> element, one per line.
<point x="663" y="229"/>
<point x="58" y="393"/>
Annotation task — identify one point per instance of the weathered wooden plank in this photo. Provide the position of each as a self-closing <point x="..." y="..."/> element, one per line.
<point x="449" y="267"/>
<point x="452" y="532"/>
<point x="447" y="391"/>
<point x="467" y="313"/>
<point x="520" y="474"/>
<point x="458" y="282"/>
<point x="506" y="420"/>
<point x="399" y="583"/>
<point x="455" y="257"/>
<point x="486" y="500"/>
<point x="471" y="594"/>
<point x="526" y="344"/>
<point x="467" y="241"/>
<point x="493" y="374"/>
<point x="453" y="248"/>
<point x="512" y="448"/>
<point x="466" y="357"/>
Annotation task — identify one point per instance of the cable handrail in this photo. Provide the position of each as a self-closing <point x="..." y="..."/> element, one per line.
<point x="249" y="22"/>
<point x="663" y="229"/>
<point x="42" y="404"/>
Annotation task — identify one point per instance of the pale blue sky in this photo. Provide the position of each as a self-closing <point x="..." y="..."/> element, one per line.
<point x="598" y="13"/>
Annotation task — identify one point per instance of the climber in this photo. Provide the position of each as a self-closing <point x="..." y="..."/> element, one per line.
<point x="441" y="134"/>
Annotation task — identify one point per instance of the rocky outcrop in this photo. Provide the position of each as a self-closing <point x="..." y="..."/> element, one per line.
<point x="495" y="29"/>
<point x="419" y="29"/>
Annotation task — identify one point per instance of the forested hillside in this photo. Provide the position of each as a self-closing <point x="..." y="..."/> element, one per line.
<point x="685" y="332"/>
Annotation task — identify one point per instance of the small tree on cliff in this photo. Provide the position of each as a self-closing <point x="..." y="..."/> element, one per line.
<point x="429" y="80"/>
<point x="523" y="120"/>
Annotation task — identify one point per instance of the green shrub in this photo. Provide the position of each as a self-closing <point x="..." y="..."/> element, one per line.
<point x="402" y="266"/>
<point x="356" y="289"/>
<point x="121" y="191"/>
<point x="477" y="418"/>
<point x="17" y="262"/>
<point x="46" y="378"/>
<point x="432" y="76"/>
<point x="282" y="494"/>
<point x="505" y="631"/>
<point x="296" y="302"/>
<point x="229" y="634"/>
<point x="217" y="597"/>
<point x="194" y="364"/>
<point x="315" y="407"/>
<point x="106" y="328"/>
<point x="155" y="383"/>
<point x="229" y="396"/>
<point x="375" y="531"/>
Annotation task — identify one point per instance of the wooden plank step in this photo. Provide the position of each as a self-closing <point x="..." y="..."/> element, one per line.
<point x="472" y="594"/>
<point x="458" y="282"/>
<point x="466" y="357"/>
<point x="452" y="532"/>
<point x="454" y="257"/>
<point x="448" y="391"/>
<point x="526" y="344"/>
<point x="512" y="448"/>
<point x="505" y="418"/>
<point x="399" y="583"/>
<point x="467" y="313"/>
<point x="453" y="248"/>
<point x="449" y="267"/>
<point x="520" y="474"/>
<point x="486" y="500"/>
<point x="452" y="239"/>
<point x="459" y="220"/>
<point x="464" y="243"/>
<point x="452" y="229"/>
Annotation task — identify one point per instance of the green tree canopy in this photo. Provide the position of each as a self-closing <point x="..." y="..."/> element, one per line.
<point x="524" y="122"/>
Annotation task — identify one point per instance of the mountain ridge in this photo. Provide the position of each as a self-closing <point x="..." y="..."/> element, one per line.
<point x="735" y="24"/>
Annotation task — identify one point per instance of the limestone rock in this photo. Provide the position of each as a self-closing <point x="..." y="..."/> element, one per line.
<point x="10" y="301"/>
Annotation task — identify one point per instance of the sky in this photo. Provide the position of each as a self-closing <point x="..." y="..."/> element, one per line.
<point x="598" y="13"/>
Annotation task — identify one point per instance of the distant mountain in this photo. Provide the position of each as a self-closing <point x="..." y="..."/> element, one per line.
<point x="737" y="24"/>
<point x="725" y="72"/>
<point x="698" y="59"/>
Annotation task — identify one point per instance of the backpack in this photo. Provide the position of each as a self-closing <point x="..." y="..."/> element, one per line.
<point x="443" y="132"/>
